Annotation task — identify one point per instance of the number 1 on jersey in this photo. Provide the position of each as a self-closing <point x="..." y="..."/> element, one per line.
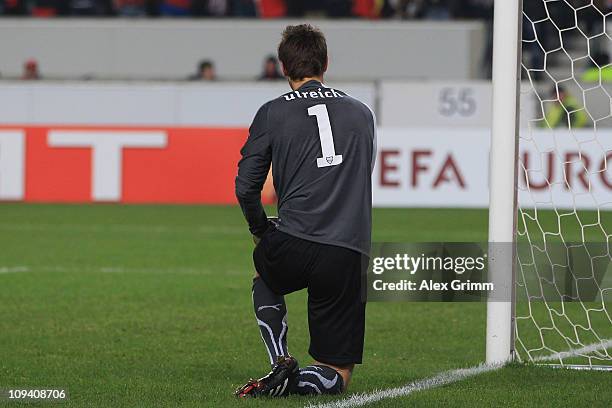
<point x="330" y="158"/>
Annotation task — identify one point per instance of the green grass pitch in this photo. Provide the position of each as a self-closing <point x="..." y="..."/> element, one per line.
<point x="149" y="306"/>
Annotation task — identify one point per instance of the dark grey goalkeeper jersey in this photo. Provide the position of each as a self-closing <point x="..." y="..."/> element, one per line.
<point x="321" y="144"/>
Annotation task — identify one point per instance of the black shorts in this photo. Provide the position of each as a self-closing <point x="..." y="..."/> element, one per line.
<point x="333" y="276"/>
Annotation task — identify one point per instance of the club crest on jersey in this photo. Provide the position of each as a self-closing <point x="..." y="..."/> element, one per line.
<point x="319" y="93"/>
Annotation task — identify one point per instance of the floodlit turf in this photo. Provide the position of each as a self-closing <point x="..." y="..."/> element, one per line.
<point x="142" y="306"/>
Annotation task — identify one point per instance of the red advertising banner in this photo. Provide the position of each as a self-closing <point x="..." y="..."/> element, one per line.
<point x="118" y="164"/>
<point x="415" y="167"/>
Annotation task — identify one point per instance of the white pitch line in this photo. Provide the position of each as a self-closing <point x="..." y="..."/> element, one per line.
<point x="121" y="228"/>
<point x="604" y="345"/>
<point x="121" y="270"/>
<point x="13" y="269"/>
<point x="444" y="378"/>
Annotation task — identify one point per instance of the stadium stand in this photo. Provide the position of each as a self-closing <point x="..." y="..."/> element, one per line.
<point x="405" y="9"/>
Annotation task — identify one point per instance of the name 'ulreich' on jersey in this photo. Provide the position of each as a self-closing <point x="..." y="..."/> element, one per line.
<point x="319" y="93"/>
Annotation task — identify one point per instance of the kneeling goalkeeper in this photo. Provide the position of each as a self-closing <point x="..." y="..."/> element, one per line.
<point x="321" y="144"/>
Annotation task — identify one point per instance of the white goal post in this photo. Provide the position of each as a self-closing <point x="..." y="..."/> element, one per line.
<point x="503" y="177"/>
<point x="550" y="182"/>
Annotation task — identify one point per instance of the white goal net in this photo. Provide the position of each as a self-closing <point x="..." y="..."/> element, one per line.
<point x="564" y="225"/>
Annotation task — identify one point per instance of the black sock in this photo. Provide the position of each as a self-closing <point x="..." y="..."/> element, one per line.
<point x="317" y="379"/>
<point x="271" y="314"/>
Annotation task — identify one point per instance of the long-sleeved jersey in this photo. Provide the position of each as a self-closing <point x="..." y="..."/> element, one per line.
<point x="321" y="144"/>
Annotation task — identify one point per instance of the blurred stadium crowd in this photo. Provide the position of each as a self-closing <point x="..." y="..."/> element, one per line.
<point x="205" y="71"/>
<point x="400" y="9"/>
<point x="566" y="43"/>
<point x="404" y="9"/>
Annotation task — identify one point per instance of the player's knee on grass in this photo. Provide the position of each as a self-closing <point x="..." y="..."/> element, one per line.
<point x="345" y="372"/>
<point x="318" y="379"/>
